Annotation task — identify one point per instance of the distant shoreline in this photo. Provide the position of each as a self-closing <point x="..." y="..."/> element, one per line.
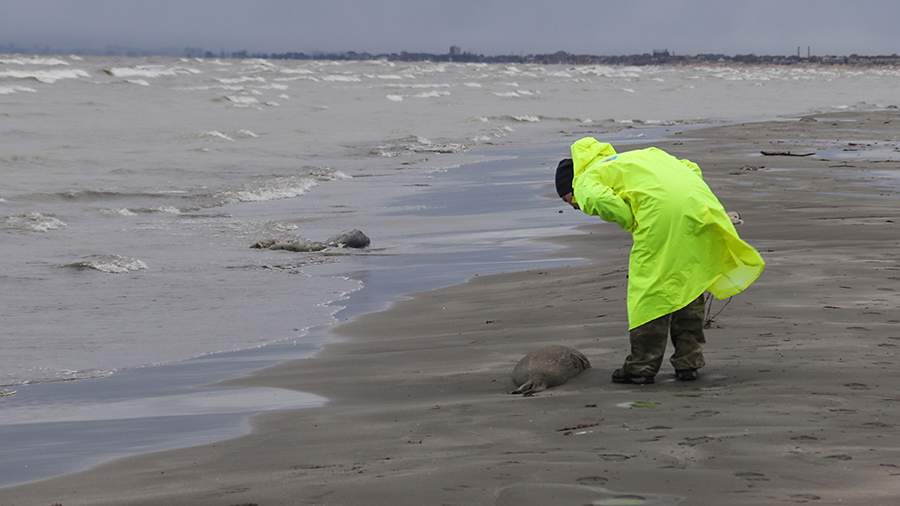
<point x="657" y="57"/>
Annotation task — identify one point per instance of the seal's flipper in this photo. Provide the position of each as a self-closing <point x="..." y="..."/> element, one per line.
<point x="530" y="388"/>
<point x="522" y="388"/>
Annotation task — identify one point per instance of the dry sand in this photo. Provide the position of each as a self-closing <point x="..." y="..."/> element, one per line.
<point x="799" y="403"/>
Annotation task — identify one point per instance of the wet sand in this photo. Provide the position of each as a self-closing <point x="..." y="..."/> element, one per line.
<point x="798" y="404"/>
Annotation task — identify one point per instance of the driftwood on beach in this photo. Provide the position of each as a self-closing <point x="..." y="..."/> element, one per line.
<point x="786" y="153"/>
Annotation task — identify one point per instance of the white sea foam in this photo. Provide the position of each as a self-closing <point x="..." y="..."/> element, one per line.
<point x="284" y="96"/>
<point x="139" y="82"/>
<point x="299" y="71"/>
<point x="112" y="264"/>
<point x="75" y="57"/>
<point x="9" y="90"/>
<point x="628" y="90"/>
<point x="472" y="85"/>
<point x="285" y="187"/>
<point x="149" y="71"/>
<point x="297" y="78"/>
<point x="248" y="134"/>
<point x="34" y="60"/>
<point x="123" y="211"/>
<point x="526" y="118"/>
<point x="44" y="76"/>
<point x="241" y="100"/>
<point x="33" y="222"/>
<point x="394" y="98"/>
<point x="432" y="94"/>
<point x="415" y="144"/>
<point x="271" y="103"/>
<point x="242" y="79"/>
<point x="341" y="78"/>
<point x="215" y="134"/>
<point x="418" y="85"/>
<point x="506" y="94"/>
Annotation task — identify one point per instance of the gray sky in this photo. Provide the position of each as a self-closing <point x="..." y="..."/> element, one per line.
<point x="485" y="26"/>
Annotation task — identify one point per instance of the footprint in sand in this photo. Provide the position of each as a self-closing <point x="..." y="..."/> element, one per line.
<point x="694" y="441"/>
<point x="751" y="476"/>
<point x="592" y="480"/>
<point x="704" y="414"/>
<point x="802" y="498"/>
<point x="614" y="457"/>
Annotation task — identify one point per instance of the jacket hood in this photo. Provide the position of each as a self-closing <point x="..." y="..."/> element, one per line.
<point x="588" y="149"/>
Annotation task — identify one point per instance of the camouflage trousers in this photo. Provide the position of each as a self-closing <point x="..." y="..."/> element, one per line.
<point x="648" y="342"/>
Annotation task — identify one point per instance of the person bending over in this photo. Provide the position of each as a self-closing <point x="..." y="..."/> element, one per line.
<point x="684" y="245"/>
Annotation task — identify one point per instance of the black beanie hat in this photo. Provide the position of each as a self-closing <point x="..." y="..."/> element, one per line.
<point x="565" y="171"/>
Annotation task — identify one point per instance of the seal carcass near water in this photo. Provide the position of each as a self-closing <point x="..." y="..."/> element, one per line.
<point x="352" y="239"/>
<point x="298" y="245"/>
<point x="547" y="367"/>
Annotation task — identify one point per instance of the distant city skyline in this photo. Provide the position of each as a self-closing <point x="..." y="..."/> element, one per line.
<point x="487" y="26"/>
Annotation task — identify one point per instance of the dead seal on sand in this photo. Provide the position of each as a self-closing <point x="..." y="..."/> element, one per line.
<point x="298" y="245"/>
<point x="547" y="367"/>
<point x="351" y="239"/>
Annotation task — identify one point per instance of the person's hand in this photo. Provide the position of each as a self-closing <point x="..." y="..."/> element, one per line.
<point x="569" y="198"/>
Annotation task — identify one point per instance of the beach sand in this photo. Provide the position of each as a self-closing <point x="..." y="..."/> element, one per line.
<point x="799" y="402"/>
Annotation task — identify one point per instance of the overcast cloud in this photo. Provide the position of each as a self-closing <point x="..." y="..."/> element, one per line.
<point x="485" y="26"/>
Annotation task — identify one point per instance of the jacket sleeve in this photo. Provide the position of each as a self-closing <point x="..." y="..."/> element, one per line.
<point x="693" y="166"/>
<point x="596" y="199"/>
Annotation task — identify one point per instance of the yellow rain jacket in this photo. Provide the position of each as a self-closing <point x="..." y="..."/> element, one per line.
<point x="684" y="242"/>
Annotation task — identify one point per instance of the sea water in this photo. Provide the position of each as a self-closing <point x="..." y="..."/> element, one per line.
<point x="132" y="189"/>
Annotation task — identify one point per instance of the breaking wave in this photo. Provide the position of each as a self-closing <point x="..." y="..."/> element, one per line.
<point x="241" y="100"/>
<point x="44" y="76"/>
<point x="9" y="90"/>
<point x="149" y="71"/>
<point x="415" y="144"/>
<point x="242" y="79"/>
<point x="134" y="211"/>
<point x="112" y="264"/>
<point x="284" y="187"/>
<point x="341" y="78"/>
<point x="432" y="94"/>
<point x="34" y="60"/>
<point x="215" y="134"/>
<point x="33" y="222"/>
<point x="94" y="195"/>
